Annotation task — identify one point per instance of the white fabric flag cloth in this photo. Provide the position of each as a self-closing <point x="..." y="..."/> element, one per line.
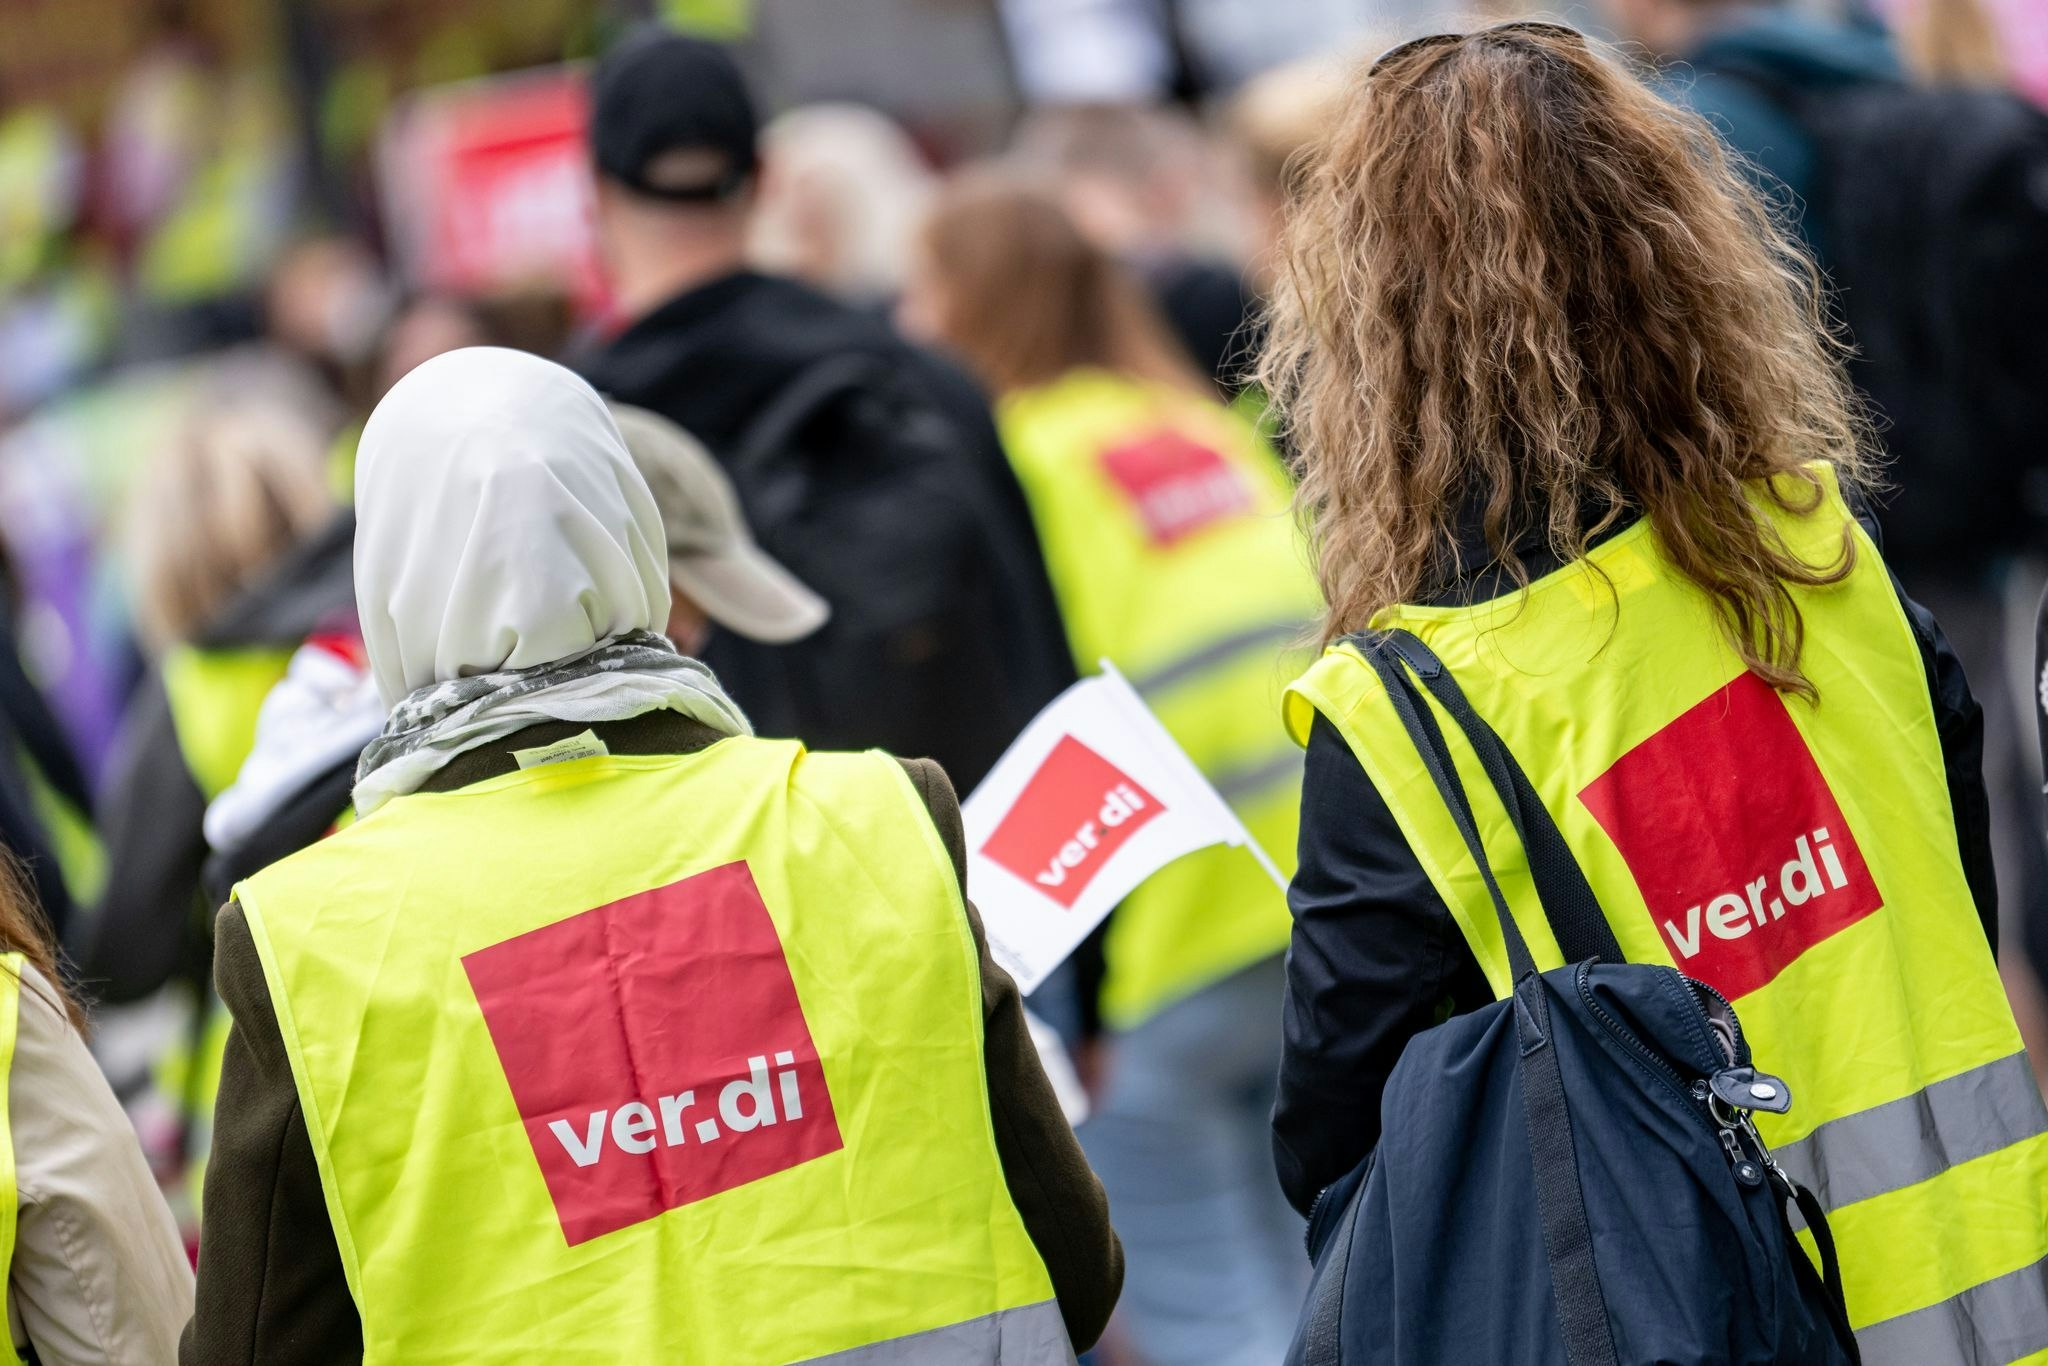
<point x="1093" y="798"/>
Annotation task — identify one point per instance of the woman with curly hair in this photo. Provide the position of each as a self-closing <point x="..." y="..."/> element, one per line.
<point x="1569" y="414"/>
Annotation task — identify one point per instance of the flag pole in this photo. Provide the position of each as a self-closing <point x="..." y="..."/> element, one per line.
<point x="1265" y="859"/>
<point x="1251" y="844"/>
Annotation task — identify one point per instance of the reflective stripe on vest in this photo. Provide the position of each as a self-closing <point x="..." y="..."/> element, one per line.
<point x="1905" y="1141"/>
<point x="1031" y="1333"/>
<point x="1164" y="523"/>
<point x="215" y="694"/>
<point x="621" y="1057"/>
<point x="1990" y="1324"/>
<point x="10" y="1194"/>
<point x="1799" y="857"/>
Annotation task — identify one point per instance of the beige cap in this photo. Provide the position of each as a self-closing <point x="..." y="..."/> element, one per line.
<point x="712" y="557"/>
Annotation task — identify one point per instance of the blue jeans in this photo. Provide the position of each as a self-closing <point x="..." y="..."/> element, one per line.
<point x="1215" y="1270"/>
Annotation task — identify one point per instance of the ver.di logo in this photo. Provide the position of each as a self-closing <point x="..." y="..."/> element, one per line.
<point x="1077" y="810"/>
<point x="656" y="1050"/>
<point x="1740" y="850"/>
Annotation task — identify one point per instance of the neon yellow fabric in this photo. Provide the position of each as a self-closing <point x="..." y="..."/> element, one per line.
<point x="215" y="695"/>
<point x="1574" y="678"/>
<point x="10" y="1019"/>
<point x="188" y="1073"/>
<point x="724" y="20"/>
<point x="452" y="1245"/>
<point x="220" y="233"/>
<point x="35" y="147"/>
<point x="1205" y="624"/>
<point x="73" y="838"/>
<point x="341" y="464"/>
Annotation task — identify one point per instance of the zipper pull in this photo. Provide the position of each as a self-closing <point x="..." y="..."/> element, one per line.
<point x="1747" y="1172"/>
<point x="1770" y="1163"/>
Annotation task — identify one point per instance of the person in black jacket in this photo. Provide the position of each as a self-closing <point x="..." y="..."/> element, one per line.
<point x="1376" y="957"/>
<point x="43" y="791"/>
<point x="870" y="468"/>
<point x="1436" y="491"/>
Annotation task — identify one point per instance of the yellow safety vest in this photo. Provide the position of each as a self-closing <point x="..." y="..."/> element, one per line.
<point x="215" y="694"/>
<point x="1164" y="522"/>
<point x="653" y="1058"/>
<point x="10" y="1194"/>
<point x="74" y="840"/>
<point x="1801" y="858"/>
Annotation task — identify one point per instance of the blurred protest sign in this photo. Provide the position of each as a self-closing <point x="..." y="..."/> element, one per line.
<point x="485" y="186"/>
<point x="1093" y="798"/>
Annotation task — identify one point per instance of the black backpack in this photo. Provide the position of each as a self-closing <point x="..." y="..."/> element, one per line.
<point x="1568" y="1177"/>
<point x="1929" y="212"/>
<point x="856" y="483"/>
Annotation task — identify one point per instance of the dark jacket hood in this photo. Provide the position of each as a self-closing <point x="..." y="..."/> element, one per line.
<point x="309" y="587"/>
<point x="1800" y="50"/>
<point x="711" y="358"/>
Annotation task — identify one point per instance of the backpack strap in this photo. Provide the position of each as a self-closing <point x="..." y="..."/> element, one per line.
<point x="1576" y="919"/>
<point x="814" y="390"/>
<point x="1560" y="1199"/>
<point x="1322" y="1334"/>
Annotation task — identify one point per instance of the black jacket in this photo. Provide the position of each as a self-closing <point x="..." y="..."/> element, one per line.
<point x="1376" y="957"/>
<point x="891" y="497"/>
<point x="34" y="745"/>
<point x="151" y="924"/>
<point x="1934" y="263"/>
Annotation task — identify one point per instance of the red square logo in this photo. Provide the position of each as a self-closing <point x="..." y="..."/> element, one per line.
<point x="656" y="1050"/>
<point x="1738" y="847"/>
<point x="1076" y="811"/>
<point x="1178" y="486"/>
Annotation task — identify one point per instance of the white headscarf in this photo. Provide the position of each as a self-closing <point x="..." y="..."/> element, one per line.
<point x="501" y="523"/>
<point x="510" y="567"/>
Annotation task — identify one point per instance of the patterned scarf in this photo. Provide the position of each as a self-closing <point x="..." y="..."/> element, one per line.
<point x="624" y="676"/>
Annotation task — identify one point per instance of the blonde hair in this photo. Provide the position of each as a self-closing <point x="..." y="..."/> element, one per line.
<point x="1027" y="296"/>
<point x="841" y="199"/>
<point x="1279" y="117"/>
<point x="236" y="487"/>
<point x="1954" y="42"/>
<point x="1521" y="287"/>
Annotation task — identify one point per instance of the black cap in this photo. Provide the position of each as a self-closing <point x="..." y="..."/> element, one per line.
<point x="670" y="117"/>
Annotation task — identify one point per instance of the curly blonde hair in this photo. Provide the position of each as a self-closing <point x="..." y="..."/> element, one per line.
<point x="1521" y="289"/>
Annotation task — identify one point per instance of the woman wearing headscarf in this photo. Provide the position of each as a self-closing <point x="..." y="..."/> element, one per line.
<point x="609" y="1030"/>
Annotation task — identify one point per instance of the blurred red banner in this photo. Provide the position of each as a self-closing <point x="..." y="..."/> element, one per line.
<point x="485" y="187"/>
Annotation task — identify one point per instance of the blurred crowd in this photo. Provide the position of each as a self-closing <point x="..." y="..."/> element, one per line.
<point x="210" y="273"/>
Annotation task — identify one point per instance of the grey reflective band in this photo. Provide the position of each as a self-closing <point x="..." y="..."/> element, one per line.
<point x="1905" y="1141"/>
<point x="1218" y="652"/>
<point x="1991" y="1324"/>
<point x="1030" y="1335"/>
<point x="1241" y="784"/>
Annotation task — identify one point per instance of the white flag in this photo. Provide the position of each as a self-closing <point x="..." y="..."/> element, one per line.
<point x="1093" y="798"/>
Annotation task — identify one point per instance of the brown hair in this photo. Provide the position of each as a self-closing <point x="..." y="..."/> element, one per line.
<point x="1520" y="286"/>
<point x="238" y="485"/>
<point x="1027" y="297"/>
<point x="24" y="929"/>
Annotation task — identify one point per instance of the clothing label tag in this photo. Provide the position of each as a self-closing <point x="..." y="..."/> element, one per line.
<point x="584" y="746"/>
